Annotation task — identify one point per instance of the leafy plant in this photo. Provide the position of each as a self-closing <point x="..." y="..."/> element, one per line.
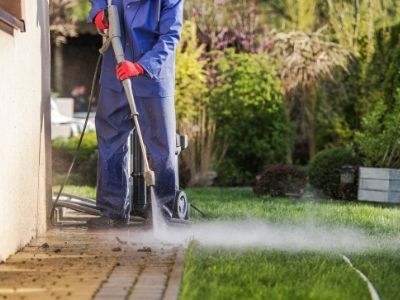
<point x="191" y="108"/>
<point x="361" y="27"/>
<point x="306" y="59"/>
<point x="325" y="169"/>
<point x="382" y="76"/>
<point x="247" y="105"/>
<point x="355" y="23"/>
<point x="88" y="146"/>
<point x="85" y="168"/>
<point x="280" y="180"/>
<point x="191" y="80"/>
<point x="379" y="139"/>
<point x="81" y="10"/>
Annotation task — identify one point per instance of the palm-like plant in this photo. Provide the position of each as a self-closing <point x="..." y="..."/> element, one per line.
<point x="306" y="59"/>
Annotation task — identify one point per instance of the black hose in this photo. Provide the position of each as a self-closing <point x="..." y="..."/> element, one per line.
<point x="198" y="210"/>
<point x="91" y="100"/>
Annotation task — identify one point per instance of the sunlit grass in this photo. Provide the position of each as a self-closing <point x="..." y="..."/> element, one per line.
<point x="239" y="203"/>
<point x="216" y="273"/>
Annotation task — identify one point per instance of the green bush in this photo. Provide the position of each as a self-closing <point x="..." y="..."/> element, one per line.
<point x="325" y="168"/>
<point x="88" y="169"/>
<point x="382" y="74"/>
<point x="190" y="77"/>
<point x="252" y="127"/>
<point x="379" y="140"/>
<point x="354" y="94"/>
<point x="85" y="169"/>
<point x="89" y="145"/>
<point x="281" y="180"/>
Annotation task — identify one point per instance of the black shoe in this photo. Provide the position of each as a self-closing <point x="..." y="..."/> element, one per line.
<point x="106" y="222"/>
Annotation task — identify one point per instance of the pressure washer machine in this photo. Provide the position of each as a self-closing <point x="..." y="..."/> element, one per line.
<point x="139" y="192"/>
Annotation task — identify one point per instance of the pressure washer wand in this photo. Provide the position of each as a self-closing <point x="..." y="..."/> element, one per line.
<point x="114" y="36"/>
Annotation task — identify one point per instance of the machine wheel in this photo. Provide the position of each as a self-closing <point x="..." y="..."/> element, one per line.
<point x="181" y="206"/>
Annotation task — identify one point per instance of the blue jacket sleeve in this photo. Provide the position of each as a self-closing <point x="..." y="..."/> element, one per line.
<point x="171" y="19"/>
<point x="97" y="6"/>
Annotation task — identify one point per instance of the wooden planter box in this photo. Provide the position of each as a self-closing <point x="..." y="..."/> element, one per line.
<point x="379" y="185"/>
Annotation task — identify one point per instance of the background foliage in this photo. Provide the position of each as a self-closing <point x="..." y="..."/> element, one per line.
<point x="191" y="104"/>
<point x="85" y="172"/>
<point x="248" y="107"/>
<point x="261" y="82"/>
<point x="325" y="169"/>
<point x="379" y="139"/>
<point x="281" y="180"/>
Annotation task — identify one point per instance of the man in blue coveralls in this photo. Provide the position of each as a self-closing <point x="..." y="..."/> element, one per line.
<point x="150" y="32"/>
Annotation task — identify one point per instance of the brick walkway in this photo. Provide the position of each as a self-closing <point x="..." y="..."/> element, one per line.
<point x="76" y="263"/>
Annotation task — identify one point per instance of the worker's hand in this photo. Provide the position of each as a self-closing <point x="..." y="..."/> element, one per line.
<point x="100" y="20"/>
<point x="128" y="69"/>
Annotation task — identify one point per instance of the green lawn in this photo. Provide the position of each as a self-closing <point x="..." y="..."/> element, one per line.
<point x="269" y="274"/>
<point x="218" y="273"/>
<point x="237" y="203"/>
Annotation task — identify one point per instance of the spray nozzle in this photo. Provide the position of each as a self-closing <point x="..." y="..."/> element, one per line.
<point x="150" y="178"/>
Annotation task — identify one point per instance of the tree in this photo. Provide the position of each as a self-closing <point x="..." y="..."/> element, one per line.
<point x="354" y="23"/>
<point x="306" y="59"/>
<point x="379" y="139"/>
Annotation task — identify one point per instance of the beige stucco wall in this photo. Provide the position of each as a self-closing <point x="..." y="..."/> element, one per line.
<point x="25" y="154"/>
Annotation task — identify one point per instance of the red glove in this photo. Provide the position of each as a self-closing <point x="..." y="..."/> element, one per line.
<point x="100" y="21"/>
<point x="128" y="69"/>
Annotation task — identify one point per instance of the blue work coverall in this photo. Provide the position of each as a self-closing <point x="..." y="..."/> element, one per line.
<point x="151" y="30"/>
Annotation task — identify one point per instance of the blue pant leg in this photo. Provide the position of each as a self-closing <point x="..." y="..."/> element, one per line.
<point x="113" y="125"/>
<point x="158" y="124"/>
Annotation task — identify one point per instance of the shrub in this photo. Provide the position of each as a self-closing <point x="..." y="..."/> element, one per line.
<point x="252" y="127"/>
<point x="382" y="75"/>
<point x="379" y="140"/>
<point x="85" y="168"/>
<point x="191" y="108"/>
<point x="88" y="170"/>
<point x="325" y="169"/>
<point x="281" y="180"/>
<point x="89" y="145"/>
<point x="191" y="79"/>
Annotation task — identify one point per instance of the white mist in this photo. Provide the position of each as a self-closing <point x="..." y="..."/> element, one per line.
<point x="252" y="233"/>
